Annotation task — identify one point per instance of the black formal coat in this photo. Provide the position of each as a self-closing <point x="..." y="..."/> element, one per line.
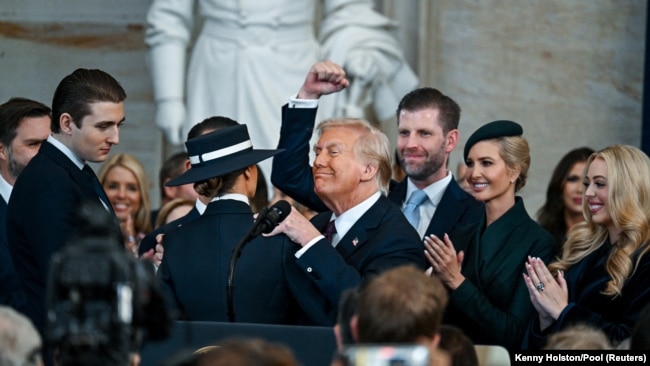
<point x="492" y="305"/>
<point x="616" y="316"/>
<point x="292" y="175"/>
<point x="11" y="293"/>
<point x="41" y="219"/>
<point x="381" y="239"/>
<point x="194" y="270"/>
<point x="149" y="241"/>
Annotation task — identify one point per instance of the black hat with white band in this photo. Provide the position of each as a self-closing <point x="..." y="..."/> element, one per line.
<point x="220" y="152"/>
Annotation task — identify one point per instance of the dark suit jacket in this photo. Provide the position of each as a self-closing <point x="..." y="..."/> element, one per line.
<point x="149" y="241"/>
<point x="381" y="239"/>
<point x="586" y="280"/>
<point x="292" y="175"/>
<point x="194" y="270"/>
<point x="492" y="305"/>
<point x="11" y="293"/>
<point x="41" y="218"/>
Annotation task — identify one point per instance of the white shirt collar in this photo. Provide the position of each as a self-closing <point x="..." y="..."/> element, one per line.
<point x="200" y="206"/>
<point x="5" y="189"/>
<point x="66" y="150"/>
<point x="434" y="191"/>
<point x="232" y="196"/>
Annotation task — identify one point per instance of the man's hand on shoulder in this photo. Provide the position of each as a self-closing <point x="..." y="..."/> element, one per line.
<point x="297" y="228"/>
<point x="324" y="77"/>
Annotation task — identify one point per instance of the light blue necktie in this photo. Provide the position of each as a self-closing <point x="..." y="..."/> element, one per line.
<point x="412" y="208"/>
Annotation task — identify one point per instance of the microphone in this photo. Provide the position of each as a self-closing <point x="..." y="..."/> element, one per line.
<point x="267" y="220"/>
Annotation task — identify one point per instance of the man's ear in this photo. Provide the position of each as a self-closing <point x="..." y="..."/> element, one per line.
<point x="4" y="154"/>
<point x="452" y="140"/>
<point x="369" y="172"/>
<point x="65" y="123"/>
<point x="338" y="337"/>
<point x="435" y="341"/>
<point x="169" y="192"/>
<point x="354" y="328"/>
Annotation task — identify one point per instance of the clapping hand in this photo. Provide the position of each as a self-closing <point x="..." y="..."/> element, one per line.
<point x="549" y="295"/>
<point x="445" y="262"/>
<point x="160" y="250"/>
<point x="128" y="232"/>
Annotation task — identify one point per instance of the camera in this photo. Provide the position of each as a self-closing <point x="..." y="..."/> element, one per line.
<point x="101" y="301"/>
<point x="386" y="355"/>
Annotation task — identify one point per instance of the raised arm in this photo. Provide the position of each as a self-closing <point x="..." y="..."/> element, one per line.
<point x="291" y="172"/>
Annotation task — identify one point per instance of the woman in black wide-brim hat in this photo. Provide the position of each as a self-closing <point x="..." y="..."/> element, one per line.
<point x="488" y="299"/>
<point x="194" y="270"/>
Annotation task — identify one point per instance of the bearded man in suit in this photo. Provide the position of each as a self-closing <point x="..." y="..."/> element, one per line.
<point x="24" y="125"/>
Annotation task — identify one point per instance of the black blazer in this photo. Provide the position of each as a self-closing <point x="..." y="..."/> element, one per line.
<point x="194" y="270"/>
<point x="41" y="219"/>
<point x="381" y="239"/>
<point x="11" y="293"/>
<point x="292" y="175"/>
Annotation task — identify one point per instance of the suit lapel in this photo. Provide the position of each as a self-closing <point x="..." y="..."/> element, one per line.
<point x="447" y="212"/>
<point x="79" y="177"/>
<point x="358" y="233"/>
<point x="3" y="225"/>
<point x="397" y="193"/>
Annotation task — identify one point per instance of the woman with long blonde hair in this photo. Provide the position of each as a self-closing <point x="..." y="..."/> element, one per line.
<point x="603" y="276"/>
<point x="125" y="183"/>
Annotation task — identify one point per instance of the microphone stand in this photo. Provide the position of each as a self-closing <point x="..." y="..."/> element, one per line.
<point x="230" y="287"/>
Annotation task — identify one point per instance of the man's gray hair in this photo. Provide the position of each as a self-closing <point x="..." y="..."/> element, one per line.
<point x="20" y="343"/>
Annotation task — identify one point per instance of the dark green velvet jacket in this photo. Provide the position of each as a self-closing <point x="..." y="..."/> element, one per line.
<point x="492" y="305"/>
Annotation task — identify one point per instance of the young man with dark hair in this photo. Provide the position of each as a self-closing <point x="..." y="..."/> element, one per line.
<point x="400" y="306"/>
<point x="24" y="125"/>
<point x="87" y="113"/>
